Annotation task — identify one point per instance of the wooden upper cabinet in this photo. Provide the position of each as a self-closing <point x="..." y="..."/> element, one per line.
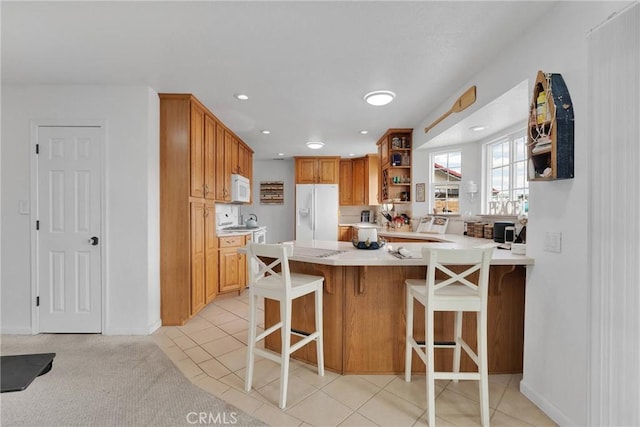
<point x="245" y="158"/>
<point x="359" y="181"/>
<point x="196" y="150"/>
<point x="328" y="170"/>
<point x="317" y="170"/>
<point x="346" y="197"/>
<point x="209" y="157"/>
<point x="383" y="151"/>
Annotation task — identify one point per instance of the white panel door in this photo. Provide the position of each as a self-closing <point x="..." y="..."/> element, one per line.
<point x="69" y="241"/>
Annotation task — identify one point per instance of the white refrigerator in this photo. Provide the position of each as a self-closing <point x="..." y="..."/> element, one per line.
<point x="317" y="212"/>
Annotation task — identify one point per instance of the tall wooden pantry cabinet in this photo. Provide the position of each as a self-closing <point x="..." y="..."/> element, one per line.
<point x="198" y="154"/>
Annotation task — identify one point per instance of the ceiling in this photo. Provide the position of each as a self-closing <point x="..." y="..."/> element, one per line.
<point x="304" y="65"/>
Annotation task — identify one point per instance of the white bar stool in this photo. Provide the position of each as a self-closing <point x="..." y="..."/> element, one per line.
<point x="284" y="287"/>
<point x="456" y="293"/>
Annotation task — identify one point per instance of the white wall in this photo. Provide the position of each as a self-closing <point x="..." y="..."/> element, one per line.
<point x="279" y="219"/>
<point x="556" y="314"/>
<point x="130" y="247"/>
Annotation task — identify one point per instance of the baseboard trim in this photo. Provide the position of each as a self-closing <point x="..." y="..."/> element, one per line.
<point x="16" y="331"/>
<point x="545" y="406"/>
<point x="127" y="331"/>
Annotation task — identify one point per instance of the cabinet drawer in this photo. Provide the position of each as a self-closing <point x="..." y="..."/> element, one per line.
<point x="231" y="241"/>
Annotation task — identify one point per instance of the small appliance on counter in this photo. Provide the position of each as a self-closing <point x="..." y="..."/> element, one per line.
<point x="365" y="216"/>
<point x="504" y="232"/>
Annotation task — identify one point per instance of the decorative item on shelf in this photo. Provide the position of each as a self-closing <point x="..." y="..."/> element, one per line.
<point x="396" y="159"/>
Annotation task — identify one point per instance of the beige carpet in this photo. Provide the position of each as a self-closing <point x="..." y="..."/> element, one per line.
<point x="109" y="381"/>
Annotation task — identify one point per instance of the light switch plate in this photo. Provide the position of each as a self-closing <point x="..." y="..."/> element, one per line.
<point x="23" y="207"/>
<point x="553" y="242"/>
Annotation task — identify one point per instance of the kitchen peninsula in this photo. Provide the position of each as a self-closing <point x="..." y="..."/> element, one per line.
<point x="364" y="307"/>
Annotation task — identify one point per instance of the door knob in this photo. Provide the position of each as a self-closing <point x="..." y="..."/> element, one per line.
<point x="93" y="241"/>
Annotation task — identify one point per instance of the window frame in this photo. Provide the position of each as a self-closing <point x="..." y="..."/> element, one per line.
<point x="434" y="185"/>
<point x="511" y="137"/>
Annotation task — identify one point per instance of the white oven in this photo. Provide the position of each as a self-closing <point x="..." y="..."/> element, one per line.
<point x="259" y="236"/>
<point x="240" y="189"/>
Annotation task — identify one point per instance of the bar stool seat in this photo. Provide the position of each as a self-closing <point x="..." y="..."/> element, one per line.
<point x="282" y="286"/>
<point x="456" y="293"/>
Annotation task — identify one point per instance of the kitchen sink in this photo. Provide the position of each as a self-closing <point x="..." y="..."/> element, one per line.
<point x="238" y="228"/>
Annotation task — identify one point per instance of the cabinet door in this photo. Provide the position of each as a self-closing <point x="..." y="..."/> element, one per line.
<point x="220" y="177"/>
<point x="196" y="147"/>
<point x="344" y="233"/>
<point x="371" y="179"/>
<point x="306" y="170"/>
<point x="358" y="181"/>
<point x="230" y="147"/>
<point x="328" y="170"/>
<point x="210" y="253"/>
<point x="235" y="155"/>
<point x="197" y="256"/>
<point x="345" y="184"/>
<point x="243" y="160"/>
<point x="383" y="149"/>
<point x="209" y="158"/>
<point x="228" y="273"/>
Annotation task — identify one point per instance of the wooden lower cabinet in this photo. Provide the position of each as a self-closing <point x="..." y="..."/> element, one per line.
<point x="345" y="233"/>
<point x="232" y="264"/>
<point x="364" y="320"/>
<point x="204" y="255"/>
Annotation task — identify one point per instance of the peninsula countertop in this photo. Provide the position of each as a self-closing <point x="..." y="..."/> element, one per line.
<point x="344" y="253"/>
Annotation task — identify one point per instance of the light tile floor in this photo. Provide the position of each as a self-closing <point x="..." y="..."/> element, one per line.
<point x="211" y="348"/>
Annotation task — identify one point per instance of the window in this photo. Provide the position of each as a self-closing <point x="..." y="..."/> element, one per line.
<point x="507" y="185"/>
<point x="446" y="177"/>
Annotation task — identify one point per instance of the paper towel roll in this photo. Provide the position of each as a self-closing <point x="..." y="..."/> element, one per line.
<point x="367" y="233"/>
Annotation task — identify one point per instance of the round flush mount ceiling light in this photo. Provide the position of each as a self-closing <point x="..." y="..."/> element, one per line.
<point x="241" y="96"/>
<point x="315" y="145"/>
<point x="379" y="97"/>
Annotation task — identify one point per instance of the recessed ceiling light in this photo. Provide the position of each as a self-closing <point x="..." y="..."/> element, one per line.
<point x="477" y="128"/>
<point x="315" y="145"/>
<point x="241" y="96"/>
<point x="280" y="154"/>
<point x="352" y="154"/>
<point x="364" y="132"/>
<point x="265" y="132"/>
<point x="379" y="97"/>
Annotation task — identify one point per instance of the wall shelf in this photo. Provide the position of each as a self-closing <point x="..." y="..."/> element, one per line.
<point x="550" y="130"/>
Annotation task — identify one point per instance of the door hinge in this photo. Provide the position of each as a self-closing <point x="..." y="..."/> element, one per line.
<point x="37" y="301"/>
<point x="37" y="224"/>
<point x="37" y="148"/>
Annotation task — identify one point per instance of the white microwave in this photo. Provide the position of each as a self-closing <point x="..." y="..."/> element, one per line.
<point x="240" y="189"/>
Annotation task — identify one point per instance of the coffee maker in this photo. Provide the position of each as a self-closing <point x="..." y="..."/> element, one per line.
<point x="365" y="216"/>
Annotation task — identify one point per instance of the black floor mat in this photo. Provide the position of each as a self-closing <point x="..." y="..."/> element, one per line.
<point x="17" y="372"/>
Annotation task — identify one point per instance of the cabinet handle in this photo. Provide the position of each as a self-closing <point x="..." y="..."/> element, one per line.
<point x="206" y="212"/>
<point x="206" y="190"/>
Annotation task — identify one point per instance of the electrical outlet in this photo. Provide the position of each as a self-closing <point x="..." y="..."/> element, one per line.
<point x="553" y="242"/>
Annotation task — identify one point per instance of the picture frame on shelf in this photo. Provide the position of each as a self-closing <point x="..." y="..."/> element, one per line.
<point x="420" y="192"/>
